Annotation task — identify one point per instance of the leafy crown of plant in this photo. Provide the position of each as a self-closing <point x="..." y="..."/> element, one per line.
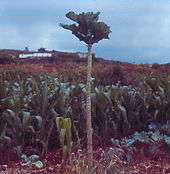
<point x="88" y="28"/>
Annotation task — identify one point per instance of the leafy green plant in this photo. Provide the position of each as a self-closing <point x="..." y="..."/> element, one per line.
<point x="117" y="110"/>
<point x="89" y="30"/>
<point x="30" y="161"/>
<point x="10" y="134"/>
<point x="65" y="135"/>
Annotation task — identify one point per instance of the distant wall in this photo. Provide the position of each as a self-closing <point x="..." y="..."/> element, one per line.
<point x="35" y="55"/>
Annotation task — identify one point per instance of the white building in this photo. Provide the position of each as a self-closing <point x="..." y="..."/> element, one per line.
<point x="32" y="55"/>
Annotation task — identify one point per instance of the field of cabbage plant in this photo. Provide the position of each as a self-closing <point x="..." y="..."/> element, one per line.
<point x="43" y="127"/>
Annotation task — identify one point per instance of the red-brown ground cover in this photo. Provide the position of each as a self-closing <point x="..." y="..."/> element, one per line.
<point x="104" y="73"/>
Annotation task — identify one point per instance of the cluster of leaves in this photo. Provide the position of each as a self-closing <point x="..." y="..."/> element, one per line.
<point x="151" y="144"/>
<point x="30" y="104"/>
<point x="32" y="160"/>
<point x="65" y="135"/>
<point x="87" y="27"/>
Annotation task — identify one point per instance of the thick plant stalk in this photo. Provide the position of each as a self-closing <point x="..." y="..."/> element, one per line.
<point x="88" y="106"/>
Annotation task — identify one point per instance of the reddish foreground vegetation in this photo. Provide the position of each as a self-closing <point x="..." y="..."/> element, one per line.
<point x="139" y="158"/>
<point x="143" y="162"/>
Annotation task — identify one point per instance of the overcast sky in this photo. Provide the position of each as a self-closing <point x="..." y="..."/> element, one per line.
<point x="140" y="28"/>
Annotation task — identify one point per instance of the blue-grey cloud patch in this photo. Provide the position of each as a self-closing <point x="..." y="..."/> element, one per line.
<point x="140" y="29"/>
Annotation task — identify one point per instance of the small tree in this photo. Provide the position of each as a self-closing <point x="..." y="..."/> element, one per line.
<point x="89" y="30"/>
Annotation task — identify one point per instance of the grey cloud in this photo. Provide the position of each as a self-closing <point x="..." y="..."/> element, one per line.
<point x="140" y="29"/>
